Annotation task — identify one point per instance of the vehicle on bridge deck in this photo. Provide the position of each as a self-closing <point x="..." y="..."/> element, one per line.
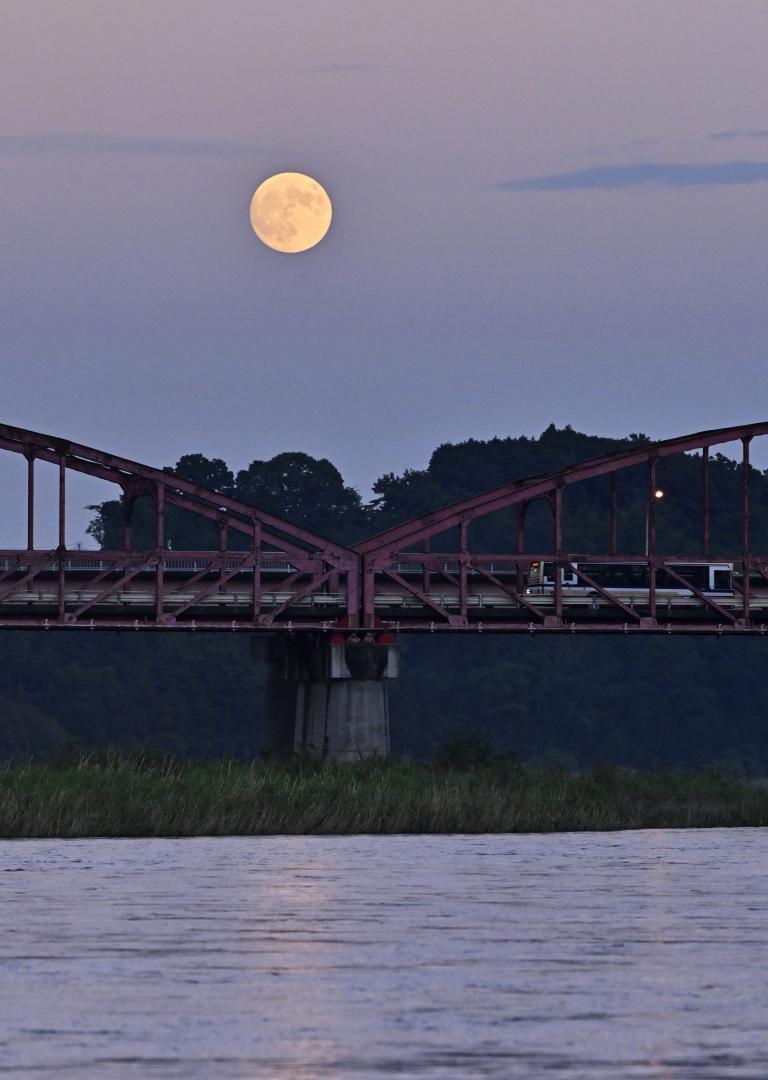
<point x="615" y="589"/>
<point x="489" y="602"/>
<point x="278" y="574"/>
<point x="631" y="578"/>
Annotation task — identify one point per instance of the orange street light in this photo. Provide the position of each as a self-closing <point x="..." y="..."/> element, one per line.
<point x="658" y="493"/>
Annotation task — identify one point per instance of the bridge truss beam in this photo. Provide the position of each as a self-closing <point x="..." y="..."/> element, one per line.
<point x="289" y="578"/>
<point x="386" y="554"/>
<point x="308" y="561"/>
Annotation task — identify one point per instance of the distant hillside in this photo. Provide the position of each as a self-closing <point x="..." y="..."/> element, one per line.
<point x="668" y="701"/>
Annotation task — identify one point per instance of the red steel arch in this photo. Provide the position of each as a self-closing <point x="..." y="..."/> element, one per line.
<point x="291" y="578"/>
<point x="311" y="560"/>
<point x="381" y="553"/>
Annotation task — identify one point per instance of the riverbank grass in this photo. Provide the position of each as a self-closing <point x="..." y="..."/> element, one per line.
<point x="113" y="796"/>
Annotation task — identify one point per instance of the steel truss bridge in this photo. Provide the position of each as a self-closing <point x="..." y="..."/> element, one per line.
<point x="280" y="576"/>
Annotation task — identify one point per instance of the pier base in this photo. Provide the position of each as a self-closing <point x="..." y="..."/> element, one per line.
<point x="328" y="696"/>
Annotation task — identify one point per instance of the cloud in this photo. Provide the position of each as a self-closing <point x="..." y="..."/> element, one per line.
<point x="758" y="133"/>
<point x="649" y="174"/>
<point x="73" y="142"/>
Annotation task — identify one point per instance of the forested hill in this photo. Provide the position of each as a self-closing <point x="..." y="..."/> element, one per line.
<point x="667" y="701"/>
<point x="312" y="492"/>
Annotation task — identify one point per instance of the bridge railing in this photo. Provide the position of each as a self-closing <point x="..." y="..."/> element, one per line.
<point x="280" y="575"/>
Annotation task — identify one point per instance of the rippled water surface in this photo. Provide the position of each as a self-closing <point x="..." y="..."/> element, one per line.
<point x="574" y="955"/>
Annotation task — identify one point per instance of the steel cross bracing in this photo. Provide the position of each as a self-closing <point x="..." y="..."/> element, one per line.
<point x="289" y="578"/>
<point x="260" y="587"/>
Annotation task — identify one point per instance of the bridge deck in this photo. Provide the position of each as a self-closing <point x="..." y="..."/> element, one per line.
<point x="270" y="573"/>
<point x="103" y="590"/>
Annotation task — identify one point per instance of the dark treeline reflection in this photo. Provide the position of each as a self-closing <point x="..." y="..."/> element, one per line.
<point x="661" y="701"/>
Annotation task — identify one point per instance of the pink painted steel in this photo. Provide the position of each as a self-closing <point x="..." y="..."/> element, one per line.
<point x="212" y="586"/>
<point x="323" y="585"/>
<point x="437" y="521"/>
<point x="309" y="553"/>
<point x="511" y="593"/>
<point x="128" y="573"/>
<point x="256" y="588"/>
<point x="721" y="611"/>
<point x="30" y="501"/>
<point x="380" y="552"/>
<point x="746" y="440"/>
<point x="159" y="545"/>
<point x="38" y="562"/>
<point x="590" y="582"/>
<point x="62" y="537"/>
<point x="705" y="500"/>
<point x="409" y="587"/>
<point x="299" y="595"/>
<point x="113" y="468"/>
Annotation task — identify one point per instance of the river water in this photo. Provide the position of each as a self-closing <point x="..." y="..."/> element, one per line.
<point x="621" y="955"/>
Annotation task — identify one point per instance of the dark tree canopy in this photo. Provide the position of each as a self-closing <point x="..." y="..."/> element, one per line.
<point x="308" y="491"/>
<point x="667" y="701"/>
<point x="210" y="473"/>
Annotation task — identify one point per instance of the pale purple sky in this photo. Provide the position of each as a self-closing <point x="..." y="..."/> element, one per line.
<point x="544" y="211"/>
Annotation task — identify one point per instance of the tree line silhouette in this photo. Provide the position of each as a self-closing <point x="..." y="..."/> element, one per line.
<point x="674" y="702"/>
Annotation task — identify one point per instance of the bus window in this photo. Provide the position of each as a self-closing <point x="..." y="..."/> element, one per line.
<point x="544" y="573"/>
<point x="569" y="578"/>
<point x="722" y="581"/>
<point x="698" y="576"/>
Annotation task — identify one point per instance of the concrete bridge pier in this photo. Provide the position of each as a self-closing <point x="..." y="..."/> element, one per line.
<point x="327" y="695"/>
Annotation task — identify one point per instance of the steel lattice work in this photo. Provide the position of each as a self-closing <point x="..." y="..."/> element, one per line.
<point x="282" y="576"/>
<point x="507" y="603"/>
<point x="160" y="588"/>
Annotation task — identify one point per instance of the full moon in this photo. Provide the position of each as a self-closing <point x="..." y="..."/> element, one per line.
<point x="290" y="212"/>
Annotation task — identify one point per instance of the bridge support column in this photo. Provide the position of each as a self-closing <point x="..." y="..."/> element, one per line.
<point x="329" y="696"/>
<point x="279" y="696"/>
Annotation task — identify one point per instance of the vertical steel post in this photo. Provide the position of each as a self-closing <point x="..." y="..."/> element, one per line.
<point x="426" y="581"/>
<point x="746" y="542"/>
<point x="557" y="523"/>
<point x="62" y="554"/>
<point x="463" y="555"/>
<point x="334" y="581"/>
<point x="650" y="537"/>
<point x="650" y="510"/>
<point x="128" y="504"/>
<point x="222" y="550"/>
<point x="705" y="500"/>
<point x="613" y="540"/>
<point x="520" y="512"/>
<point x="30" y="500"/>
<point x="353" y="594"/>
<point x="369" y="596"/>
<point x="159" y="541"/>
<point x="62" y="502"/>
<point x="557" y="519"/>
<point x="256" y="592"/>
<point x="159" y="516"/>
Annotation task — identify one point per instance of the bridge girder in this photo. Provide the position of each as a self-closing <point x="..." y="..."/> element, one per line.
<point x="324" y="585"/>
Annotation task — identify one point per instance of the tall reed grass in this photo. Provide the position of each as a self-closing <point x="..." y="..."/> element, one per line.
<point x="113" y="795"/>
